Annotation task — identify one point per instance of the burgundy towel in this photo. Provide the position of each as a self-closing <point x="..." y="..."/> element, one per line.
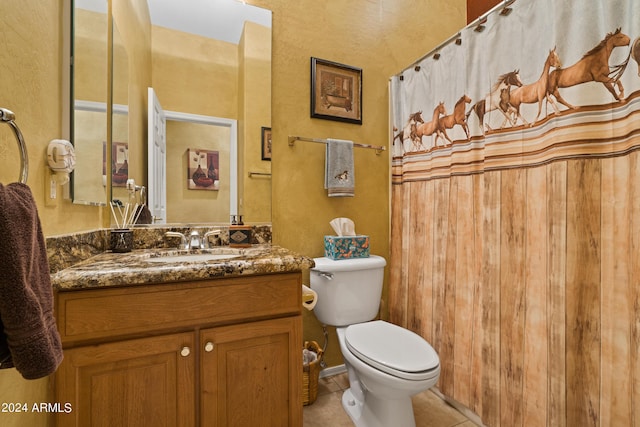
<point x="29" y="340"/>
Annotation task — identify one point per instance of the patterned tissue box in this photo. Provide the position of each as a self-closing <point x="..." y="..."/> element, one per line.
<point x="337" y="247"/>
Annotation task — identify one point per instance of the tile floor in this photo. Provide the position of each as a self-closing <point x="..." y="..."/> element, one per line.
<point x="430" y="410"/>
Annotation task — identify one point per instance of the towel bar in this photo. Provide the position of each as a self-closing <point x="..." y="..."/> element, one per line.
<point x="252" y="174"/>
<point x="379" y="149"/>
<point x="8" y="117"/>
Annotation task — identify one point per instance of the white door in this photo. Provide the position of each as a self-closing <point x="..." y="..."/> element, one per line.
<point x="157" y="178"/>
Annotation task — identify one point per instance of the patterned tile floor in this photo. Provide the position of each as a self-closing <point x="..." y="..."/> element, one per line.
<point x="430" y="410"/>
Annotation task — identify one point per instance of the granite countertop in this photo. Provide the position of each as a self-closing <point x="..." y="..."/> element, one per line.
<point x="152" y="266"/>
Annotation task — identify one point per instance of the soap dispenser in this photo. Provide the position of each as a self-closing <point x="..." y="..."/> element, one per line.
<point x="239" y="234"/>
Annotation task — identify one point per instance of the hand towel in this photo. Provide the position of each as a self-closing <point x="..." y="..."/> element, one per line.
<point x="29" y="341"/>
<point x="339" y="179"/>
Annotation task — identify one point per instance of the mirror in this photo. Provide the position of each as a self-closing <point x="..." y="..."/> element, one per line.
<point x="192" y="70"/>
<point x="89" y="94"/>
<point x="234" y="83"/>
<point x="215" y="142"/>
<point x="119" y="117"/>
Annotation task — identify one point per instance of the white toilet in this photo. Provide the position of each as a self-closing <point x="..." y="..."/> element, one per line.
<point x="387" y="364"/>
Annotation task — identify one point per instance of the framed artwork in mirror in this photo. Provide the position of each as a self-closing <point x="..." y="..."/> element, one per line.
<point x="266" y="143"/>
<point x="203" y="169"/>
<point x="119" y="163"/>
<point x="336" y="91"/>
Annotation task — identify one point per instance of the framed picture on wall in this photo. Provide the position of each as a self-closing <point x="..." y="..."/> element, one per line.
<point x="203" y="171"/>
<point x="336" y="91"/>
<point x="266" y="143"/>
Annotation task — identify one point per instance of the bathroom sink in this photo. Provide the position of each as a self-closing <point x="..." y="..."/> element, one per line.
<point x="195" y="255"/>
<point x="199" y="257"/>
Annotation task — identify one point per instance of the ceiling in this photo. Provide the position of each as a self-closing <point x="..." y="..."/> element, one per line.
<point x="216" y="19"/>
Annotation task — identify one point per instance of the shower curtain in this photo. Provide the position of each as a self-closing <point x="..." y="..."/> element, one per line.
<point x="516" y="212"/>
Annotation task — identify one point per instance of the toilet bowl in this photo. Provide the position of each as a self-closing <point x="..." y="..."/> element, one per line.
<point x="386" y="363"/>
<point x="382" y="385"/>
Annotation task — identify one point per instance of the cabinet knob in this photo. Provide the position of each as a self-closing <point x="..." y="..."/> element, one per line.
<point x="185" y="351"/>
<point x="208" y="347"/>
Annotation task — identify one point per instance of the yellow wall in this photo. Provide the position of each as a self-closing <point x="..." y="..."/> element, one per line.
<point x="236" y="81"/>
<point x="183" y="69"/>
<point x="134" y="25"/>
<point x="31" y="59"/>
<point x="381" y="37"/>
<point x="90" y="48"/>
<point x="198" y="206"/>
<point x="254" y="108"/>
<point x="32" y="70"/>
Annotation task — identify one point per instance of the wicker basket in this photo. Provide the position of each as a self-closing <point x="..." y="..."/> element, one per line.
<point x="310" y="374"/>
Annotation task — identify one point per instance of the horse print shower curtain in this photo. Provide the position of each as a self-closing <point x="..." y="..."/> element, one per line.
<point x="489" y="96"/>
<point x="516" y="212"/>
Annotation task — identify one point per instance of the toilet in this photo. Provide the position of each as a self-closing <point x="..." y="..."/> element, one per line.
<point x="386" y="364"/>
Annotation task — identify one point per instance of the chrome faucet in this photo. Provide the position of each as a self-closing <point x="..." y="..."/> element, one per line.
<point x="183" y="240"/>
<point x="195" y="241"/>
<point x="216" y="233"/>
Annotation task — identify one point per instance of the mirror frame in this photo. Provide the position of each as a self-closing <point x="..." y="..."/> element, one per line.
<point x="68" y="93"/>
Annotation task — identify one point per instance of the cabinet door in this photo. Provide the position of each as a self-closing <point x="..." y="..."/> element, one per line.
<point x="252" y="374"/>
<point x="141" y="382"/>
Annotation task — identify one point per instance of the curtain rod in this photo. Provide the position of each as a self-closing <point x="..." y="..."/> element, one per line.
<point x="477" y="24"/>
<point x="379" y="149"/>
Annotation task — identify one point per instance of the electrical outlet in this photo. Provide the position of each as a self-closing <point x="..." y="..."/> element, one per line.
<point x="50" y="189"/>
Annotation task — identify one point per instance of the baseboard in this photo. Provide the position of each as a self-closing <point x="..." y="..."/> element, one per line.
<point x="333" y="370"/>
<point x="472" y="416"/>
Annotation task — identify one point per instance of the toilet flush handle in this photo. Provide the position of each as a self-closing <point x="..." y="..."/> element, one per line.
<point x="325" y="274"/>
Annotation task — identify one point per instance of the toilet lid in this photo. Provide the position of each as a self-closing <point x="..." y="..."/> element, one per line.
<point x="392" y="349"/>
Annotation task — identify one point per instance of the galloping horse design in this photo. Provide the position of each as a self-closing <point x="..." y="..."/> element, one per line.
<point x="492" y="100"/>
<point x="429" y="128"/>
<point x="409" y="130"/>
<point x="594" y="66"/>
<point x="533" y="92"/>
<point x="458" y="117"/>
<point x="635" y="52"/>
<point x="508" y="93"/>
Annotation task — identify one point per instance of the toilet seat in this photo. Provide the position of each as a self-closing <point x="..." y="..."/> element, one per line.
<point x="392" y="349"/>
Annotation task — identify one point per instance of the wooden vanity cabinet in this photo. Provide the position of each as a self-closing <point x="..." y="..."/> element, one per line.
<point x="223" y="352"/>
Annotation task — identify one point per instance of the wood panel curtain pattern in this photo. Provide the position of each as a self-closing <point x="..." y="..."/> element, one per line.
<point x="516" y="213"/>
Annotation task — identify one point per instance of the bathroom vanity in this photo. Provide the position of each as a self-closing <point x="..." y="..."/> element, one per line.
<point x="208" y="342"/>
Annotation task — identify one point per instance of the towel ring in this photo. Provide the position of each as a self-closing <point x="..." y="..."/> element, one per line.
<point x="8" y="117"/>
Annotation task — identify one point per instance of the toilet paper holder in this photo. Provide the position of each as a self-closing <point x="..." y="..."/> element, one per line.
<point x="309" y="297"/>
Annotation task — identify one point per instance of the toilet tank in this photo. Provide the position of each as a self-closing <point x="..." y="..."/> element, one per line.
<point x="348" y="290"/>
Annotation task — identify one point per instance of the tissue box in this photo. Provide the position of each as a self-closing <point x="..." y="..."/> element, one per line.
<point x="337" y="247"/>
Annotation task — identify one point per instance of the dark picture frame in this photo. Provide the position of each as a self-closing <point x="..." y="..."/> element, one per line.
<point x="266" y="143"/>
<point x="336" y="91"/>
